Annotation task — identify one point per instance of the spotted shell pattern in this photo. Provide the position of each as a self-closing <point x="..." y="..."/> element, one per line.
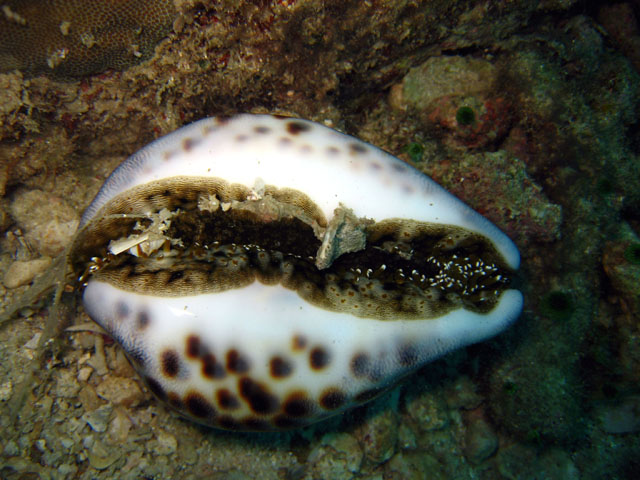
<point x="229" y="312"/>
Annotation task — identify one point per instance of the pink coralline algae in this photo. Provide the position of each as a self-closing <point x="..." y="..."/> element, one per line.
<point x="497" y="185"/>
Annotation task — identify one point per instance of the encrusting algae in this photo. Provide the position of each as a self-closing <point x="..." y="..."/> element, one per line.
<point x="69" y="38"/>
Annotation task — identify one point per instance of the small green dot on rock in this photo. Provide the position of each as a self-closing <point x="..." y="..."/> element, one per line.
<point x="465" y="116"/>
<point x="415" y="151"/>
<point x="632" y="253"/>
<point x="557" y="305"/>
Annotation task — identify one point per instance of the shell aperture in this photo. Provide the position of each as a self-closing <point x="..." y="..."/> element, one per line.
<point x="267" y="272"/>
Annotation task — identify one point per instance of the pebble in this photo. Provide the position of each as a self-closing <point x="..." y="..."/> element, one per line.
<point x="67" y="442"/>
<point x="462" y="394"/>
<point x="338" y="455"/>
<point x="84" y="373"/>
<point x="66" y="385"/>
<point x="414" y="466"/>
<point x="166" y="443"/>
<point x="23" y="272"/>
<point x="48" y="221"/>
<point x="11" y="449"/>
<point x="98" y="360"/>
<point x="6" y="388"/>
<point x="88" y="398"/>
<point x="428" y="411"/>
<point x="623" y="417"/>
<point x="120" y="391"/>
<point x="67" y="470"/>
<point x="101" y="457"/>
<point x="40" y="444"/>
<point x="119" y="427"/>
<point x="98" y="419"/>
<point x="480" y="441"/>
<point x="406" y="437"/>
<point x="378" y="436"/>
<point x="32" y="344"/>
<point x="443" y="76"/>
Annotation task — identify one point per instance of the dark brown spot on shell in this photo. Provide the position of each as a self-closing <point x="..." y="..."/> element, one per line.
<point x="261" y="129"/>
<point x="207" y="129"/>
<point x="280" y="367"/>
<point x="122" y="310"/>
<point x="318" y="358"/>
<point x="211" y="368"/>
<point x="333" y="151"/>
<point x="223" y="119"/>
<point x="193" y="346"/>
<point x="357" y="148"/>
<point x="407" y="355"/>
<point x="155" y="388"/>
<point x="227" y="400"/>
<point x="188" y="144"/>
<point x="142" y="320"/>
<point x="294" y="127"/>
<point x="332" y="398"/>
<point x="257" y="396"/>
<point x="199" y="406"/>
<point x="298" y="343"/>
<point x="407" y="188"/>
<point x="298" y="404"/>
<point x="170" y="363"/>
<point x="360" y="364"/>
<point x="237" y="363"/>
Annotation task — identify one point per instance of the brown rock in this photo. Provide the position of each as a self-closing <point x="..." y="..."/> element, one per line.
<point x="120" y="391"/>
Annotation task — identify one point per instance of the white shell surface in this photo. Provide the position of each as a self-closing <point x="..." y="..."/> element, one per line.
<point x="330" y="167"/>
<point x="261" y="322"/>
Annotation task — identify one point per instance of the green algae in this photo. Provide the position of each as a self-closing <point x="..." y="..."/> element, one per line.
<point x="465" y="116"/>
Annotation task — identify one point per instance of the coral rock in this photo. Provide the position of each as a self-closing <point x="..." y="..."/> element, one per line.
<point x="76" y="37"/>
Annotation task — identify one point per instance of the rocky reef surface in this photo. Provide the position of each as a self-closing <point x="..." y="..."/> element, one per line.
<point x="528" y="111"/>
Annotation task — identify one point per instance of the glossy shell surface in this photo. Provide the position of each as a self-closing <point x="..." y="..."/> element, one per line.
<point x="266" y="272"/>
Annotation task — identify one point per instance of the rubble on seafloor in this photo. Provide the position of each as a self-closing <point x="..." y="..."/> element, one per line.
<point x="524" y="111"/>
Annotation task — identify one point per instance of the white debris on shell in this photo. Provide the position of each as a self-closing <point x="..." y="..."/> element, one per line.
<point x="57" y="57"/>
<point x="65" y="27"/>
<point x="13" y="16"/>
<point x="209" y="203"/>
<point x="345" y="233"/>
<point x="151" y="239"/>
<point x="257" y="192"/>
